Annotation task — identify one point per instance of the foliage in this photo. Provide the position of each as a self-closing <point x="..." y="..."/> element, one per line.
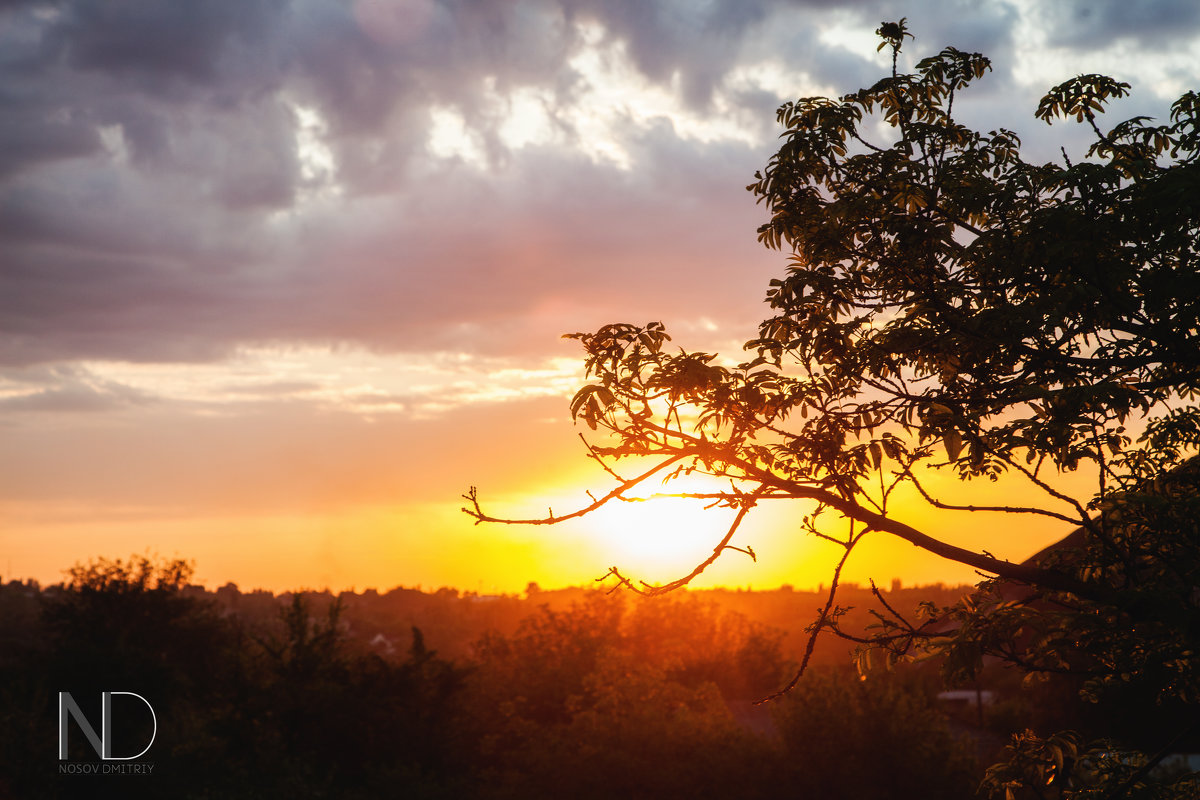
<point x="595" y="699"/>
<point x="116" y="577"/>
<point x="1144" y="633"/>
<point x="888" y="721"/>
<point x="114" y="623"/>
<point x="949" y="304"/>
<point x="245" y="708"/>
<point x="1061" y="766"/>
<point x="604" y="701"/>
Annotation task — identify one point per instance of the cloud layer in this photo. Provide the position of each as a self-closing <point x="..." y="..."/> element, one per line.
<point x="178" y="180"/>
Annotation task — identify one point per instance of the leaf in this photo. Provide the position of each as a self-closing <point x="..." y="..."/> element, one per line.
<point x="953" y="444"/>
<point x="876" y="454"/>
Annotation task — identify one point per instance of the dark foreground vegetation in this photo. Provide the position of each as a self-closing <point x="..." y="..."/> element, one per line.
<point x="437" y="695"/>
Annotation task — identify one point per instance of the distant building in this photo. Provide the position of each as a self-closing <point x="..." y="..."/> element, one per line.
<point x="966" y="698"/>
<point x="383" y="644"/>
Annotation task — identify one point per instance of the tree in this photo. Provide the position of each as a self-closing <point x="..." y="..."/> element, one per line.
<point x="597" y="702"/>
<point x="131" y="622"/>
<point x="949" y="305"/>
<point x="883" y="738"/>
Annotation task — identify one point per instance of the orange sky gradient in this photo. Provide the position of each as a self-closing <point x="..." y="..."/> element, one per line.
<point x="346" y="507"/>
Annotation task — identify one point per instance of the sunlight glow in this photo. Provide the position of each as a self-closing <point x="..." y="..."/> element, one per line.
<point x="610" y="109"/>
<point x="318" y="168"/>
<point x="662" y="537"/>
<point x="528" y="120"/>
<point x="853" y="34"/>
<point x="450" y="137"/>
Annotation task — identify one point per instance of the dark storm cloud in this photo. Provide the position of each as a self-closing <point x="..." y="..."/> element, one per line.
<point x="473" y="258"/>
<point x="29" y="135"/>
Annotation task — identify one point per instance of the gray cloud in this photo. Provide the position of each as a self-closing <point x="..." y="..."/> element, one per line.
<point x="156" y="45"/>
<point x="71" y="390"/>
<point x="1083" y="24"/>
<point x="156" y="205"/>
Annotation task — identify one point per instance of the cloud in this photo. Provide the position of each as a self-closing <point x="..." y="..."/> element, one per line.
<point x="178" y="181"/>
<point x="66" y="389"/>
<point x="1098" y="24"/>
<point x="159" y="47"/>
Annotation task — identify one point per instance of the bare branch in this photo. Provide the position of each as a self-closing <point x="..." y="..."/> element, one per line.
<point x="592" y="454"/>
<point x="816" y="628"/>
<point x="1005" y="509"/>
<point x="479" y="516"/>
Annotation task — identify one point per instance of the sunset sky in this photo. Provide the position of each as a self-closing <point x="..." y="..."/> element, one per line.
<point x="280" y="280"/>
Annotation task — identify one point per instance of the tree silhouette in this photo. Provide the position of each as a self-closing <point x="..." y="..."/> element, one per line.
<point x="950" y="305"/>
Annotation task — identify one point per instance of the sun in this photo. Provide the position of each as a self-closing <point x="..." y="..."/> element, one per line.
<point x="659" y="536"/>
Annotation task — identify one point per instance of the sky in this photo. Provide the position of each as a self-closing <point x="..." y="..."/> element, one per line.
<point x="280" y="280"/>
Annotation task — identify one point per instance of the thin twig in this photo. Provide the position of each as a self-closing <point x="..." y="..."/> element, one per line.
<point x="477" y="513"/>
<point x="822" y="622"/>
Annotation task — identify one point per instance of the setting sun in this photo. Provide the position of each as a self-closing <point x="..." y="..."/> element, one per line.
<point x="662" y="535"/>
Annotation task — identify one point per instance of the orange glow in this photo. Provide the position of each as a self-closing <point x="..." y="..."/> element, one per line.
<point x="295" y="499"/>
<point x="432" y="544"/>
<point x="660" y="535"/>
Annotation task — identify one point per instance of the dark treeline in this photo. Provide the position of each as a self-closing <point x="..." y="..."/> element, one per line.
<point x="572" y="693"/>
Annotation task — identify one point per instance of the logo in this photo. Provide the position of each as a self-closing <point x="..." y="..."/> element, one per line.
<point x="102" y="743"/>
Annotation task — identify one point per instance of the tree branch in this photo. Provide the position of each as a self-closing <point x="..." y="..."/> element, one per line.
<point x="822" y="622"/>
<point x="479" y="516"/>
<point x="1024" y="573"/>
